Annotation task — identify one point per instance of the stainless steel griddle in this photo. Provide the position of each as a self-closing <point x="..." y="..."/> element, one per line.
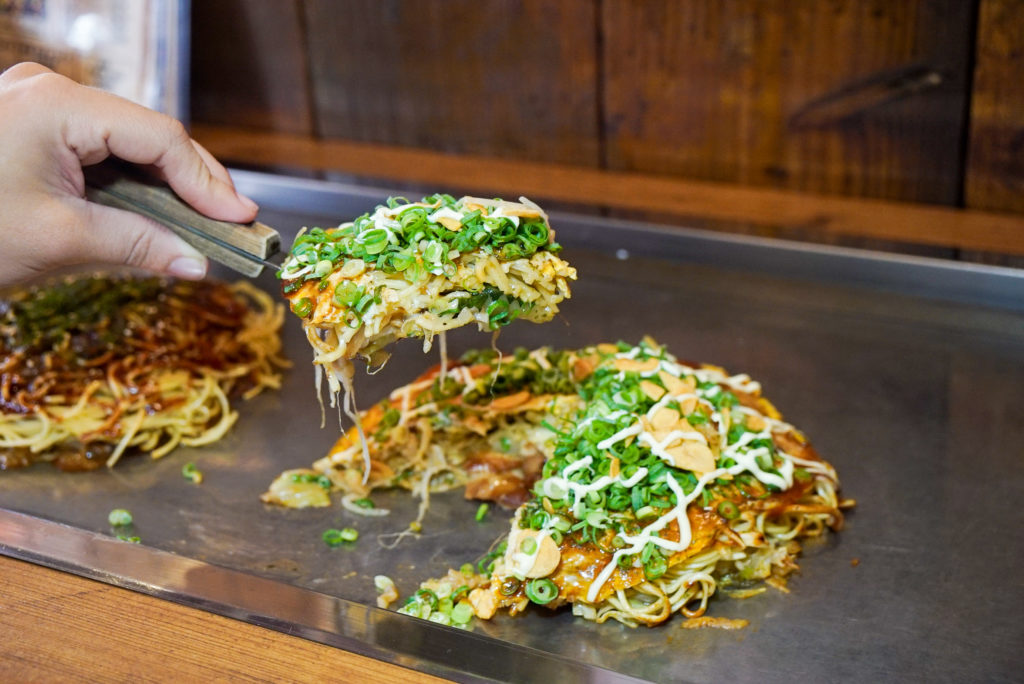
<point x="906" y="373"/>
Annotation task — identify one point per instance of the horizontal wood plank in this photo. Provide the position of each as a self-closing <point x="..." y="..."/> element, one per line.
<point x="825" y="215"/>
<point x="59" y="627"/>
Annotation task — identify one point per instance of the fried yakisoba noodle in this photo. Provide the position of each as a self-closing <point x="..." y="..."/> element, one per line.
<point x="417" y="269"/>
<point x="93" y="366"/>
<point x="642" y="483"/>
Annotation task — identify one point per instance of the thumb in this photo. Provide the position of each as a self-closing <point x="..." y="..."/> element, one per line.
<point x="120" y="237"/>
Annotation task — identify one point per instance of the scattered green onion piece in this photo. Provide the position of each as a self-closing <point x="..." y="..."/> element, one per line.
<point x="303" y="307"/>
<point x="655" y="567"/>
<point x="126" y="538"/>
<point x="509" y="586"/>
<point x="462" y="613"/>
<point x="647" y="512"/>
<point x="334" y="537"/>
<point x="481" y="512"/>
<point x="322" y="268"/>
<point x="190" y="472"/>
<point x="467" y="569"/>
<point x="364" y="503"/>
<point x="346" y="293"/>
<point x="541" y="591"/>
<point x="120" y="517"/>
<point x="528" y="546"/>
<point x="428" y="597"/>
<point x="728" y="510"/>
<point x="458" y="593"/>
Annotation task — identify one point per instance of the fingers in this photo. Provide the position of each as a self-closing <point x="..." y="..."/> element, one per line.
<point x="113" y="236"/>
<point x="103" y="124"/>
<point x="20" y="72"/>
<point x="216" y="168"/>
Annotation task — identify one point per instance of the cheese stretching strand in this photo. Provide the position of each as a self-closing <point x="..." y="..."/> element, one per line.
<point x="417" y="269"/>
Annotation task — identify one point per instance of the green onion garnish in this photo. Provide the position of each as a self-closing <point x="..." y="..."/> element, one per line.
<point x="364" y="503"/>
<point x="120" y="517"/>
<point x="541" y="591"/>
<point x="462" y="613"/>
<point x="190" y="472"/>
<point x="347" y="293"/>
<point x="509" y="586"/>
<point x="302" y="307"/>
<point x="428" y="597"/>
<point x="728" y="510"/>
<point x="334" y="537"/>
<point x="655" y="566"/>
<point x="481" y="512"/>
<point x="126" y="538"/>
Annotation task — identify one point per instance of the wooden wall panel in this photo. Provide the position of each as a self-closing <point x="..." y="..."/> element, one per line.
<point x="249" y="65"/>
<point x="515" y="78"/>
<point x="995" y="158"/>
<point x="995" y="169"/>
<point x="799" y="95"/>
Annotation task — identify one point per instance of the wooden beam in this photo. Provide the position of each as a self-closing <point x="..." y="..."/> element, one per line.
<point x="826" y="215"/>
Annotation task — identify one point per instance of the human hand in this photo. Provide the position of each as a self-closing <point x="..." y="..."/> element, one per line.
<point x="52" y="127"/>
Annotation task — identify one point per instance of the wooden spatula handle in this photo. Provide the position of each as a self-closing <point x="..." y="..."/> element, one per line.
<point x="114" y="185"/>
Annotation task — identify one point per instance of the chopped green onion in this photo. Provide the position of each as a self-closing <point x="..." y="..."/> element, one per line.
<point x="190" y="472"/>
<point x="364" y="503"/>
<point x="120" y="517"/>
<point x="647" y="512"/>
<point x="728" y="510"/>
<point x="528" y="546"/>
<point x="509" y="586"/>
<point x="429" y="597"/>
<point x="467" y="569"/>
<point x="481" y="512"/>
<point x="334" y="537"/>
<point x="302" y="307"/>
<point x="541" y="591"/>
<point x="462" y="613"/>
<point x="323" y="267"/>
<point x="126" y="538"/>
<point x="655" y="566"/>
<point x="346" y="293"/>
